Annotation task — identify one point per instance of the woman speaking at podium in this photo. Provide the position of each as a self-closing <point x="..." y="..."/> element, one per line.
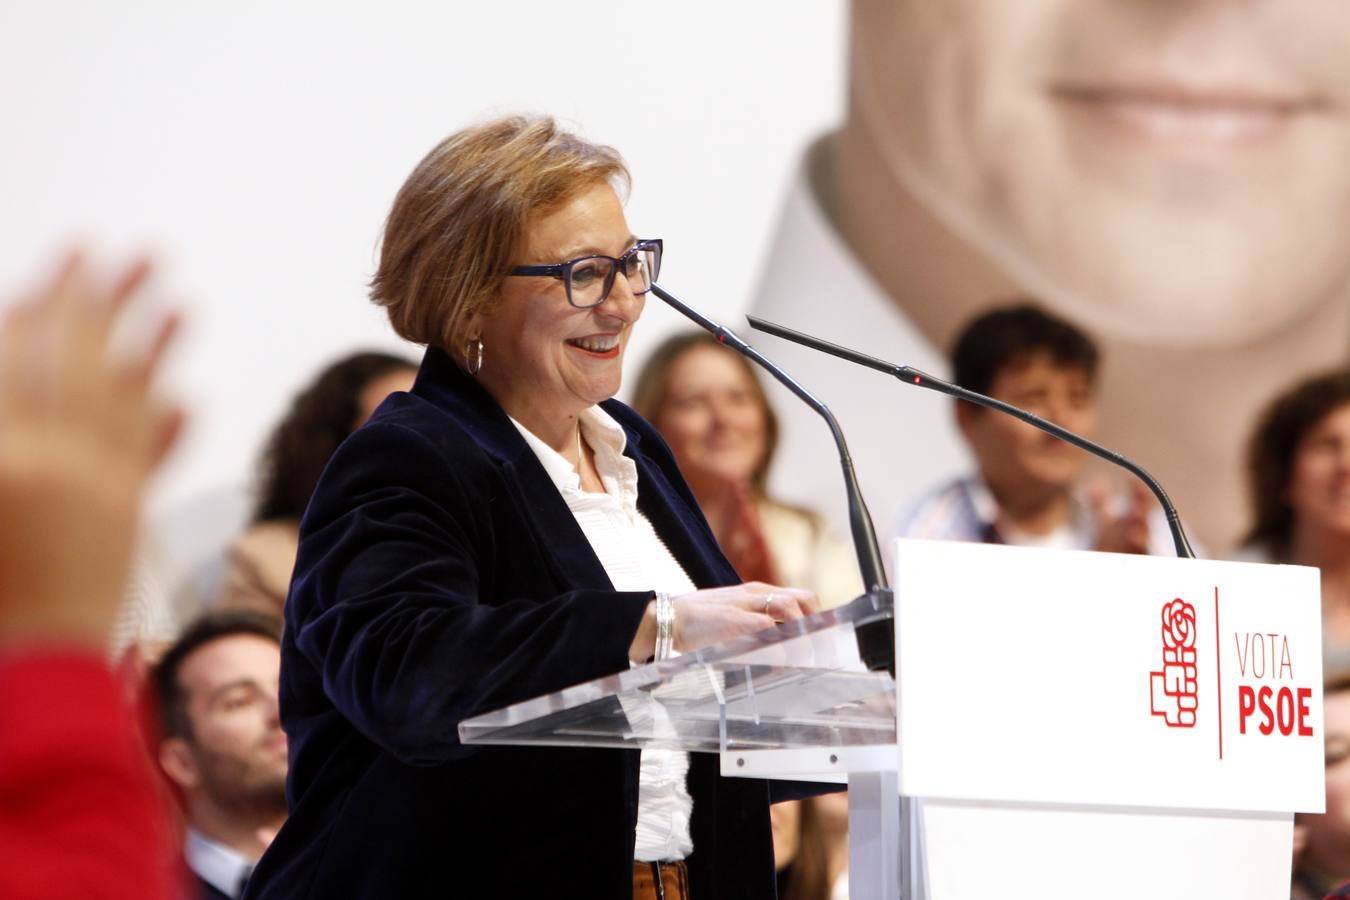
<point x="502" y="531"/>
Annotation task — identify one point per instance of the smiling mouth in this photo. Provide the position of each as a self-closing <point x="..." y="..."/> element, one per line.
<point x="604" y="346"/>
<point x="1184" y="116"/>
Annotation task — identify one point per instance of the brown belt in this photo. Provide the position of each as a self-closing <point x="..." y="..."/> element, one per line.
<point x="660" y="881"/>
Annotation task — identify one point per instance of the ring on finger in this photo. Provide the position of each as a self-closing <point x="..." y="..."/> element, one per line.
<point x="768" y="599"/>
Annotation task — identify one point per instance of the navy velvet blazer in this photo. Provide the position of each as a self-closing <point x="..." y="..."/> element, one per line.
<point x="441" y="575"/>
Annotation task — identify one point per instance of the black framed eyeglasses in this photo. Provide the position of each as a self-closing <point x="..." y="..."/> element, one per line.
<point x="589" y="278"/>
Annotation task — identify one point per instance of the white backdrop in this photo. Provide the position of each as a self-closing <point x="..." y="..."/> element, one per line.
<point x="255" y="148"/>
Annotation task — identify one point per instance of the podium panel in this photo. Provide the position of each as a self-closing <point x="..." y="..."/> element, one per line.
<point x="1091" y="724"/>
<point x="1075" y="677"/>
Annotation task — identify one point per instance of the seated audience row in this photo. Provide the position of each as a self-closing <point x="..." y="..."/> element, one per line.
<point x="1028" y="488"/>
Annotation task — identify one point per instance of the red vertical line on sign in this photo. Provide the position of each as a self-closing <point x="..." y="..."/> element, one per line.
<point x="1218" y="684"/>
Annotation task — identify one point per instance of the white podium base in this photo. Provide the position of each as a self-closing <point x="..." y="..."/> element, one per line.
<point x="1010" y="851"/>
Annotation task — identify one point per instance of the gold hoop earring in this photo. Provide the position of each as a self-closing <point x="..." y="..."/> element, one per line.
<point x="473" y="355"/>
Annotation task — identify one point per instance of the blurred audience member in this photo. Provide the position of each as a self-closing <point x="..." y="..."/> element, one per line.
<point x="1322" y="841"/>
<point x="1029" y="487"/>
<point x="1298" y="468"/>
<point x="336" y="403"/>
<point x="80" y="435"/>
<point x="710" y="407"/>
<point x="222" y="746"/>
<point x="810" y="847"/>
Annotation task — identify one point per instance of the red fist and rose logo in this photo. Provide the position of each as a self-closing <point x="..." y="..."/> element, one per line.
<point x="1269" y="699"/>
<point x="1174" y="695"/>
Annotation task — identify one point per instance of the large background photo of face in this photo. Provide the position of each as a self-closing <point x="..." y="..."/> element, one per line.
<point x="257" y="149"/>
<point x="1172" y="177"/>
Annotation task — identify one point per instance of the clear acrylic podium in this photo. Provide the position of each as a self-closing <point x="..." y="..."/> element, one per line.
<point x="793" y="702"/>
<point x="1038" y="755"/>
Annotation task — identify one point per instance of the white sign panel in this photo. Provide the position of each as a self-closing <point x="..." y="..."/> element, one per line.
<point x="1095" y="678"/>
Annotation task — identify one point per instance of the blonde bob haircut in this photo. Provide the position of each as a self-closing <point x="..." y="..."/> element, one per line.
<point x="463" y="213"/>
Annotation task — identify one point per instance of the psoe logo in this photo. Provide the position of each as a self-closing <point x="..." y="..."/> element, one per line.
<point x="1174" y="694"/>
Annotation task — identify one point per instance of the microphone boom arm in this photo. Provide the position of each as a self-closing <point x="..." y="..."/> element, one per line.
<point x="910" y="375"/>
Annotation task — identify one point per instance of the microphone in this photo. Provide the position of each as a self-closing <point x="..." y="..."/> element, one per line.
<point x="876" y="639"/>
<point x="910" y="375"/>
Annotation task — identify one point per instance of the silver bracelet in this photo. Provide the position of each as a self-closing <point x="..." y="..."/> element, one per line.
<point x="665" y="625"/>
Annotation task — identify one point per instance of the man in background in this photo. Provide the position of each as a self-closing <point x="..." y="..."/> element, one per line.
<point x="1173" y="176"/>
<point x="222" y="746"/>
<point x="1028" y="486"/>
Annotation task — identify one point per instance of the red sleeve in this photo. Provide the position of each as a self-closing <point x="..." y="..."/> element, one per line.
<point x="79" y="812"/>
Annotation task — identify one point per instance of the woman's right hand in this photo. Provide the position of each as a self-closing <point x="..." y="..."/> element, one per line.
<point x="713" y="615"/>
